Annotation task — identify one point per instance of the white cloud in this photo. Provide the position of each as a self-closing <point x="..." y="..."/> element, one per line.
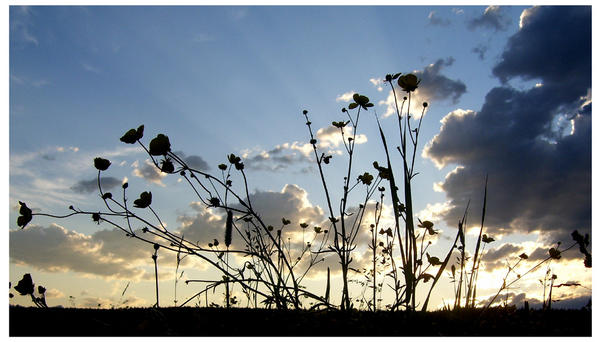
<point x="434" y="212"/>
<point x="377" y="82"/>
<point x="21" y="26"/>
<point x="238" y="13"/>
<point x="54" y="294"/>
<point x="345" y="97"/>
<point x="331" y="137"/>
<point x="17" y="79"/>
<point x="90" y="68"/>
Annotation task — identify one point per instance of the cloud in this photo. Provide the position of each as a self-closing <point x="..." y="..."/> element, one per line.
<point x="495" y="258"/>
<point x="193" y="161"/>
<point x="17" y="80"/>
<point x="297" y="156"/>
<point x="46" y="177"/>
<point x="437" y="21"/>
<point x="25" y="81"/>
<point x="106" y="253"/>
<point x="149" y="172"/>
<point x="205" y="224"/>
<point x="291" y="202"/>
<point x="88" y="67"/>
<point x="21" y="26"/>
<point x="434" y="86"/>
<point x="54" y="294"/>
<point x="492" y="18"/>
<point x="330" y="137"/>
<point x="89" y="186"/>
<point x="345" y="97"/>
<point x="564" y="301"/>
<point x="480" y="50"/>
<point x="238" y="13"/>
<point x="539" y="172"/>
<point x="377" y="82"/>
<point x="283" y="157"/>
<point x="566" y="31"/>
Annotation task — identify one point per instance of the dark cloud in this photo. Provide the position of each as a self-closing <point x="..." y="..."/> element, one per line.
<point x="435" y="86"/>
<point x="279" y="158"/>
<point x="499" y="254"/>
<point x="492" y="18"/>
<point x="106" y="253"/>
<point x="553" y="44"/>
<point x="539" y="173"/>
<point x="193" y="161"/>
<point x="480" y="50"/>
<point x="196" y="162"/>
<point x="542" y="253"/>
<point x="48" y="157"/>
<point x="89" y="186"/>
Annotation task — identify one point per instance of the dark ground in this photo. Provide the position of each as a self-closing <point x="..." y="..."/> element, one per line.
<point x="261" y="322"/>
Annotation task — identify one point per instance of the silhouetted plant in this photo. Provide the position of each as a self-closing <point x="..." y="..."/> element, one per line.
<point x="554" y="253"/>
<point x="154" y="259"/>
<point x="26" y="287"/>
<point x="583" y="242"/>
<point x="271" y="273"/>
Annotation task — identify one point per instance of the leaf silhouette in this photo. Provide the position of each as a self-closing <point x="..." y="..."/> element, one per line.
<point x="427" y="225"/>
<point x="426" y="277"/>
<point x="340" y="124"/>
<point x="434" y="261"/>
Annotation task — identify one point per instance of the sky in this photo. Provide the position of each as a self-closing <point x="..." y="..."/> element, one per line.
<point x="509" y="94"/>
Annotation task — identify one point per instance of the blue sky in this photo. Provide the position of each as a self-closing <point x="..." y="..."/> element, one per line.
<point x="220" y="80"/>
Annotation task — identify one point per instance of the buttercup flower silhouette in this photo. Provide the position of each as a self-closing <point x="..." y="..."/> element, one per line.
<point x="408" y="82"/>
<point x="101" y="164"/>
<point x="25" y="217"/>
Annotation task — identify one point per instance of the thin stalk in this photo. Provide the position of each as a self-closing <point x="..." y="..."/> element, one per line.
<point x="472" y="286"/>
